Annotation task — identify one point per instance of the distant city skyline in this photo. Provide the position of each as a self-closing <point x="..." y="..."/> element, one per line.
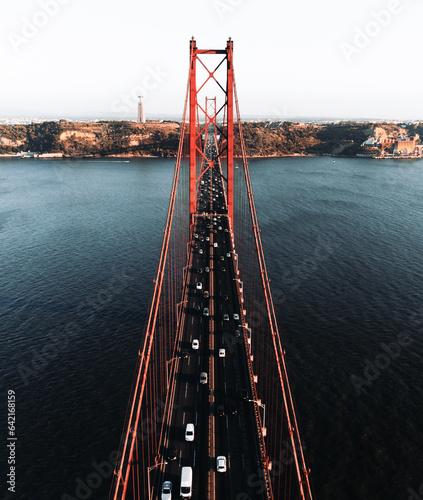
<point x="74" y="59"/>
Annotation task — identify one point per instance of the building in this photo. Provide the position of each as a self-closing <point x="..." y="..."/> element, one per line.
<point x="404" y="147"/>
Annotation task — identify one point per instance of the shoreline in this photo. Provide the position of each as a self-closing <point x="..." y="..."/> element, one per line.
<point x="61" y="156"/>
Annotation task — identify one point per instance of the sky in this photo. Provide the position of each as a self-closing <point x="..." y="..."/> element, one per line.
<point x="292" y="59"/>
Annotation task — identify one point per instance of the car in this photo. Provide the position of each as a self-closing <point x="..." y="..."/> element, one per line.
<point x="226" y="317"/>
<point x="226" y="229"/>
<point x="221" y="410"/>
<point x="184" y="354"/>
<point x="206" y="311"/>
<point x="223" y="269"/>
<point x="172" y="454"/>
<point x="195" y="344"/>
<point x="198" y="307"/>
<point x="215" y="244"/>
<point x="186" y="482"/>
<point x="166" y="491"/>
<point x="222" y="258"/>
<point x="221" y="464"/>
<point x="207" y="238"/>
<point x="206" y="294"/>
<point x="244" y="394"/>
<point x="228" y="254"/>
<point x="226" y="296"/>
<point x="237" y="334"/>
<point x="200" y="251"/>
<point x="222" y="353"/>
<point x="203" y="378"/>
<point x="236" y="316"/>
<point x="195" y="235"/>
<point x="199" y="286"/>
<point x="200" y="270"/>
<point x="207" y="269"/>
<point x="189" y="432"/>
<point x="220" y="228"/>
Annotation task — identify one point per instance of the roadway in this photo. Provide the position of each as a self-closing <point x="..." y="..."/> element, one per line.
<point x="223" y="418"/>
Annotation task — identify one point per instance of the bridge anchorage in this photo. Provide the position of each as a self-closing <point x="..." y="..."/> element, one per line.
<point x="211" y="414"/>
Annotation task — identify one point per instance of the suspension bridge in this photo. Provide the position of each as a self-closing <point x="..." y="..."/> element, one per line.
<point x="211" y="413"/>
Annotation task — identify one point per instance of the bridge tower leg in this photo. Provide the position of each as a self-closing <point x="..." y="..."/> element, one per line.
<point x="230" y="127"/>
<point x="192" y="129"/>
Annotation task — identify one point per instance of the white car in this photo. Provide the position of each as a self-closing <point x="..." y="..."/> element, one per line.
<point x="222" y="353"/>
<point x="226" y="317"/>
<point x="166" y="491"/>
<point x="215" y="245"/>
<point x="189" y="432"/>
<point x="228" y="254"/>
<point x="199" y="286"/>
<point x="206" y="311"/>
<point x="203" y="378"/>
<point x="236" y="316"/>
<point x="195" y="344"/>
<point x="221" y="464"/>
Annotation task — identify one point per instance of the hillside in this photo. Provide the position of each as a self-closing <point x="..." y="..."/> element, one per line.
<point x="122" y="138"/>
<point x="92" y="139"/>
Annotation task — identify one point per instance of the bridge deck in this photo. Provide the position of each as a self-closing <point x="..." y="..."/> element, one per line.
<point x="224" y="419"/>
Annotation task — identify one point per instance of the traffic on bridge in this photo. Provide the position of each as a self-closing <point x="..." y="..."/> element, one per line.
<point x="210" y="386"/>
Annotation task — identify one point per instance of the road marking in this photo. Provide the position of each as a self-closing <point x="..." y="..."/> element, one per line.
<point x="243" y="462"/>
<point x="227" y="422"/>
<point x="186" y="388"/>
<point x="196" y="417"/>
<point x="194" y="458"/>
<point x="183" y="419"/>
<point x="192" y="320"/>
<point x="225" y="387"/>
<point x="199" y="359"/>
<point x="189" y="359"/>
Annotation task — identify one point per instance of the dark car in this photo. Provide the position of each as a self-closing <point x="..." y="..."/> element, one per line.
<point x="220" y="410"/>
<point x="172" y="454"/>
<point x="244" y="394"/>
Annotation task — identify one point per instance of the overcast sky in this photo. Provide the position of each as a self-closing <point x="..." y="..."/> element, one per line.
<point x="327" y="58"/>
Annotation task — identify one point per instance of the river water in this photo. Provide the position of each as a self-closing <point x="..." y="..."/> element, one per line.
<point x="79" y="243"/>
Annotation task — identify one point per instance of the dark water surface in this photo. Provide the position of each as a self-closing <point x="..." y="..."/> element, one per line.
<point x="79" y="245"/>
